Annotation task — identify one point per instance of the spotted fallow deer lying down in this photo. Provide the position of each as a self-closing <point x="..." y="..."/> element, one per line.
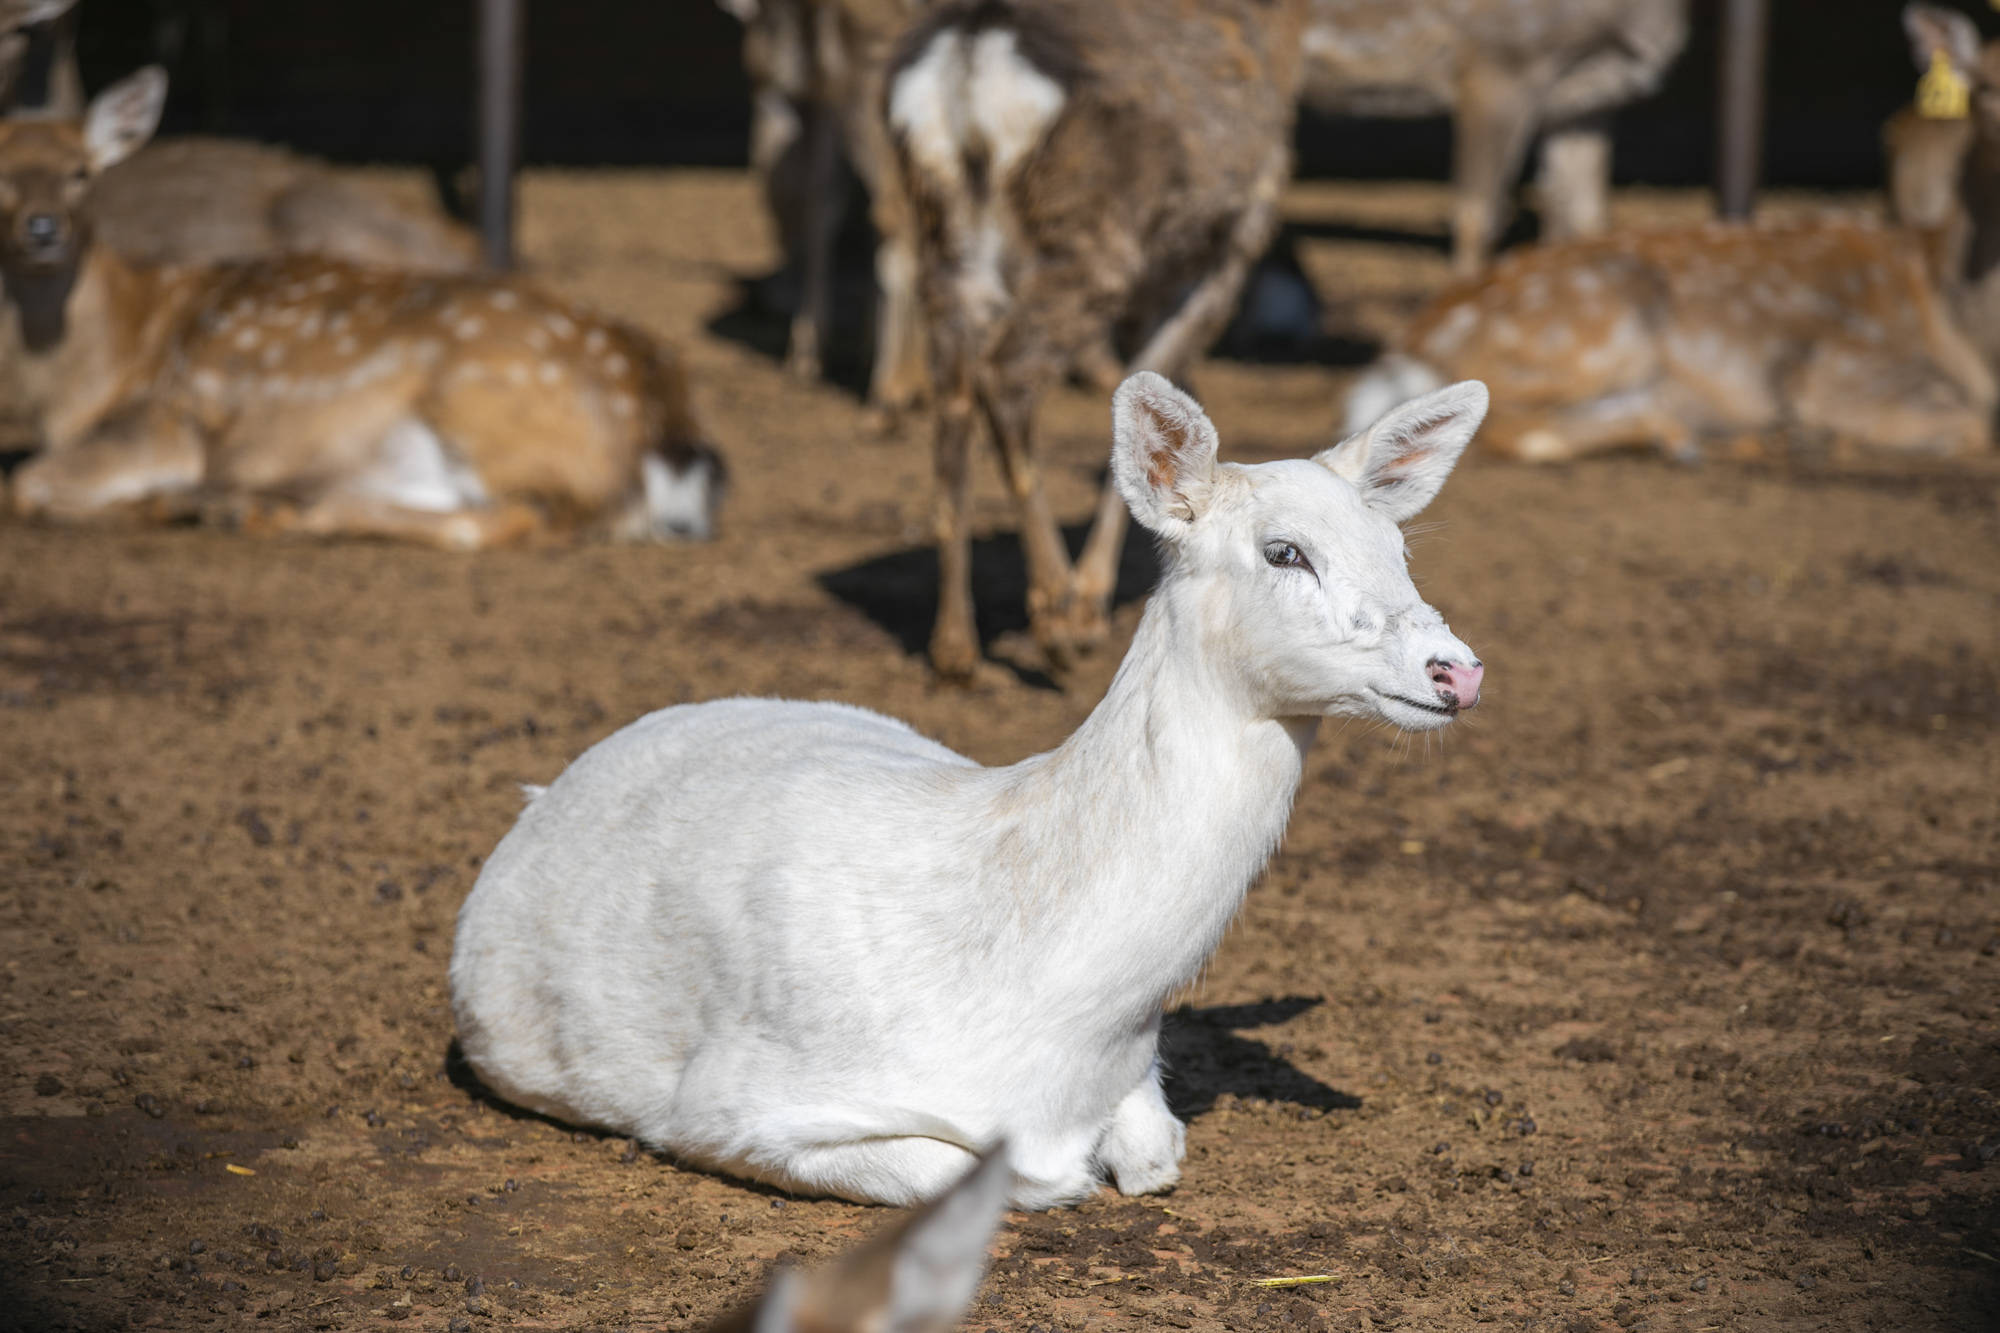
<point x="801" y="943"/>
<point x="1659" y="338"/>
<point x="1074" y="169"/>
<point x="1503" y="69"/>
<point x="316" y="396"/>
<point x="917" y="1276"/>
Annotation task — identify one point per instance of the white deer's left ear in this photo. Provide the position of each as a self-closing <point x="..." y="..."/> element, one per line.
<point x="1399" y="463"/>
<point x="1162" y="453"/>
<point x="124" y="116"/>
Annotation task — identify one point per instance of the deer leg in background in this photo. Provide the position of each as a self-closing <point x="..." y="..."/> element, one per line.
<point x="824" y="203"/>
<point x="899" y="378"/>
<point x="147" y="462"/>
<point x="1061" y="627"/>
<point x="1574" y="185"/>
<point x="1490" y="131"/>
<point x="359" y="514"/>
<point x="1170" y="351"/>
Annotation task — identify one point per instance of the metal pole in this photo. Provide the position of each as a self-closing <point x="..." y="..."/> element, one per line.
<point x="1740" y="137"/>
<point x="500" y="25"/>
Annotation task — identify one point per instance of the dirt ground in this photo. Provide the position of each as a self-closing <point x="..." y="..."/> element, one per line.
<point x="1659" y="993"/>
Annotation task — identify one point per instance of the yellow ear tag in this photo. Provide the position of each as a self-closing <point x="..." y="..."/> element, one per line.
<point x="1941" y="94"/>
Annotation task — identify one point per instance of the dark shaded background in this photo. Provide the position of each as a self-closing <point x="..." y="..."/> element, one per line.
<point x="659" y="82"/>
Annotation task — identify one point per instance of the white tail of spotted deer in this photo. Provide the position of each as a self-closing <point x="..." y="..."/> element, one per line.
<point x="1502" y="69"/>
<point x="918" y="1276"/>
<point x="1831" y="325"/>
<point x="1075" y="169"/>
<point x="308" y="394"/>
<point x="801" y="943"/>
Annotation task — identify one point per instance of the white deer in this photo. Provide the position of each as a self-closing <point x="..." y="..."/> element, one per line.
<point x="801" y="943"/>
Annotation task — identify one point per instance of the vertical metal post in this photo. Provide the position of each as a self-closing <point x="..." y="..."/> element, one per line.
<point x="1740" y="131"/>
<point x="500" y="26"/>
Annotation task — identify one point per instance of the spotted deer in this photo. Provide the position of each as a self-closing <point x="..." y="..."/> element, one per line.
<point x="1502" y="69"/>
<point x="22" y="22"/>
<point x="801" y="943"/>
<point x="916" y="1276"/>
<point x="312" y="395"/>
<point x="1075" y="169"/>
<point x="1831" y="325"/>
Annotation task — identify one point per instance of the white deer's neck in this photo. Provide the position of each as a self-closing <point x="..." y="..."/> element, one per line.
<point x="1143" y="831"/>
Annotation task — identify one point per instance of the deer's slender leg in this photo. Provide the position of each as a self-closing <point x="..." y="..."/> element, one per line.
<point x="955" y="640"/>
<point x="1574" y="182"/>
<point x="1010" y="410"/>
<point x="148" y="463"/>
<point x="1491" y="127"/>
<point x="825" y="201"/>
<point x="354" y="514"/>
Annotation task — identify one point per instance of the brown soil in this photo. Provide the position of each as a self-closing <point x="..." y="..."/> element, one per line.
<point x="1660" y="994"/>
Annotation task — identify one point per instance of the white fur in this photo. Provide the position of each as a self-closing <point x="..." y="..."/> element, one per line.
<point x="802" y="943"/>
<point x="680" y="504"/>
<point x="413" y="468"/>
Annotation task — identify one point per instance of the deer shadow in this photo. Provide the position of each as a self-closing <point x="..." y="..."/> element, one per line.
<point x="899" y="590"/>
<point x="1205" y="1058"/>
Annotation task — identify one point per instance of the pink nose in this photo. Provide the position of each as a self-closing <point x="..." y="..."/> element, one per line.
<point x="1457" y="686"/>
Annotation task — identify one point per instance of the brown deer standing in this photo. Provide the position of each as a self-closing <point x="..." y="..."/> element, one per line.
<point x="1072" y="168"/>
<point x="1501" y="68"/>
<point x="317" y="396"/>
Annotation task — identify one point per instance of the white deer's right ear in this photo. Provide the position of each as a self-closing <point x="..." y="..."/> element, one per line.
<point x="124" y="116"/>
<point x="1399" y="463"/>
<point x="1935" y="30"/>
<point x="1162" y="453"/>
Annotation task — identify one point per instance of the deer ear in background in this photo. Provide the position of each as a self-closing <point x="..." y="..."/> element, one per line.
<point x="123" y="117"/>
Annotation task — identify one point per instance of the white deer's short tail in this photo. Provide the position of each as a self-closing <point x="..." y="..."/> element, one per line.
<point x="1390" y="382"/>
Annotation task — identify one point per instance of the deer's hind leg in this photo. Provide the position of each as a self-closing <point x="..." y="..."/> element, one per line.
<point x="415" y="487"/>
<point x="145" y="464"/>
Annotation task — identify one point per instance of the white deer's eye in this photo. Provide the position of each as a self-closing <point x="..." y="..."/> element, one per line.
<point x="1285" y="555"/>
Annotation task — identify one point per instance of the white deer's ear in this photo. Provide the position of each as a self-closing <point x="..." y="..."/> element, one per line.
<point x="1399" y="463"/>
<point x="1162" y="453"/>
<point x="124" y="116"/>
<point x="1935" y="30"/>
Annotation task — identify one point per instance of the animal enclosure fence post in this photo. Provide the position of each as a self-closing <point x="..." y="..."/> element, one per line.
<point x="500" y="25"/>
<point x="1740" y="131"/>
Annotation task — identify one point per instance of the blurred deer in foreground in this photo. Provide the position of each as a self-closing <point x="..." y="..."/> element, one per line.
<point x="917" y="1276"/>
<point x="312" y="395"/>
<point x="1661" y="337"/>
<point x="1072" y="169"/>
<point x="1501" y="68"/>
<point x="816" y="69"/>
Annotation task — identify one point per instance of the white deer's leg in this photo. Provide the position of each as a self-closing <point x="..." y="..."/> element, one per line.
<point x="898" y="1171"/>
<point x="1144" y="1141"/>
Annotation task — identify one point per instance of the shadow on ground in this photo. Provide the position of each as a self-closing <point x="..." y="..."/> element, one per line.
<point x="1206" y="1058"/>
<point x="899" y="591"/>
